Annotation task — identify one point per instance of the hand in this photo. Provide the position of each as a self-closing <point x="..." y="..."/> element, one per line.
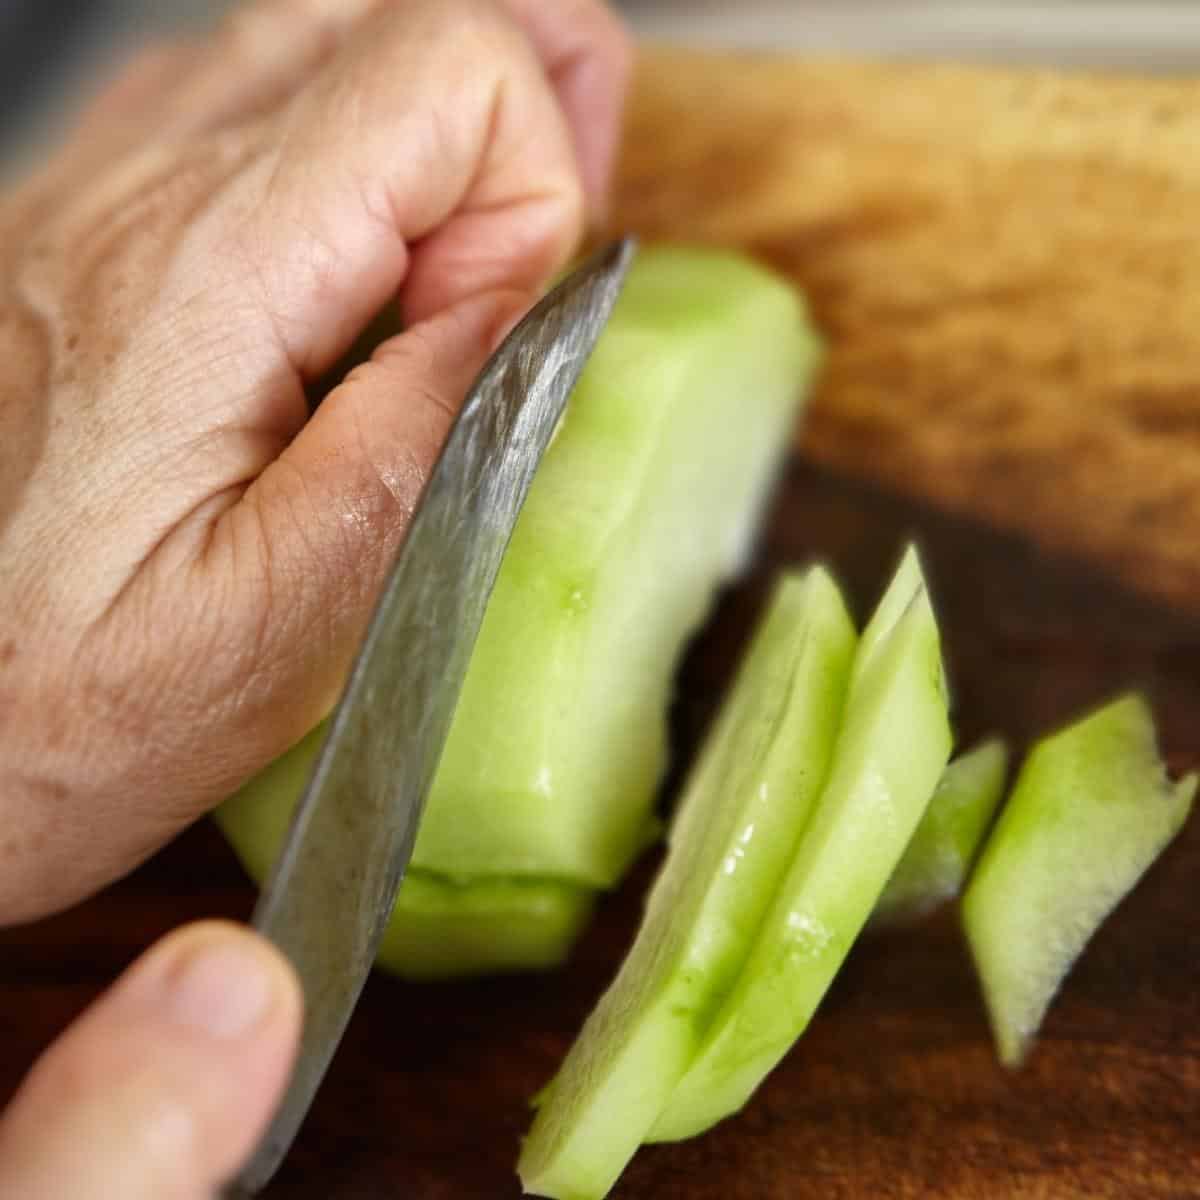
<point x="162" y="1088"/>
<point x="187" y="561"/>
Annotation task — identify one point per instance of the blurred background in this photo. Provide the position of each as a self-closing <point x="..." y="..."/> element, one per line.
<point x="52" y="51"/>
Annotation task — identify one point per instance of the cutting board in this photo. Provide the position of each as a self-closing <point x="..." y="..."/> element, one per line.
<point x="1008" y="272"/>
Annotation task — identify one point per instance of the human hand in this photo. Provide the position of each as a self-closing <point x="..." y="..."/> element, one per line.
<point x="187" y="561"/>
<point x="161" y="1089"/>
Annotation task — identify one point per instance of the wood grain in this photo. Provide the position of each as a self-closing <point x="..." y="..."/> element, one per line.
<point x="895" y="1092"/>
<point x="1006" y="271"/>
<point x="1006" y="264"/>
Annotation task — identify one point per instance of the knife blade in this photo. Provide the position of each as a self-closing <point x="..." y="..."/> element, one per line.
<point x="333" y="886"/>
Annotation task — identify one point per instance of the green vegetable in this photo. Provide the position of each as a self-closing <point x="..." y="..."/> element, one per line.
<point x="443" y="928"/>
<point x="743" y="809"/>
<point x="894" y="743"/>
<point x="1091" y="810"/>
<point x="938" y="858"/>
<point x="440" y="926"/>
<point x="647" y="499"/>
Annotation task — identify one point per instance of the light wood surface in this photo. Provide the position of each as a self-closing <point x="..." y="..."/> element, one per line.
<point x="1007" y="265"/>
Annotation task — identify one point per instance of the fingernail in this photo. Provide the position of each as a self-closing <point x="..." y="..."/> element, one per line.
<point x="222" y="988"/>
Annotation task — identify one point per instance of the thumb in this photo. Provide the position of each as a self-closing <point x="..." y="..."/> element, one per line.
<point x="321" y="525"/>
<point x="162" y="1087"/>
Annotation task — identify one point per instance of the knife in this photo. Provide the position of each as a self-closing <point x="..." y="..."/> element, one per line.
<point x="331" y="891"/>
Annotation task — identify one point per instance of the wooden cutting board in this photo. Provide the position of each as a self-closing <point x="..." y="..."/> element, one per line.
<point x="1008" y="272"/>
<point x="1006" y="263"/>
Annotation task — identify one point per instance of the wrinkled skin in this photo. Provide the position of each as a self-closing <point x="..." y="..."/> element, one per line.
<point x="187" y="559"/>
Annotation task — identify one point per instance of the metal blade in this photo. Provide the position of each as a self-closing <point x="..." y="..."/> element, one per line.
<point x="334" y="885"/>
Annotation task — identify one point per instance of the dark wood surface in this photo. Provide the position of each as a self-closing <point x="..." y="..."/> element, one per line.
<point x="895" y="1091"/>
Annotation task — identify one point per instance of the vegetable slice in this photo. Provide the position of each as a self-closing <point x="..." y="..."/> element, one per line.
<point x="742" y="812"/>
<point x="892" y="748"/>
<point x="440" y="926"/>
<point x="937" y="860"/>
<point x="1091" y="810"/>
<point x="646" y="500"/>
